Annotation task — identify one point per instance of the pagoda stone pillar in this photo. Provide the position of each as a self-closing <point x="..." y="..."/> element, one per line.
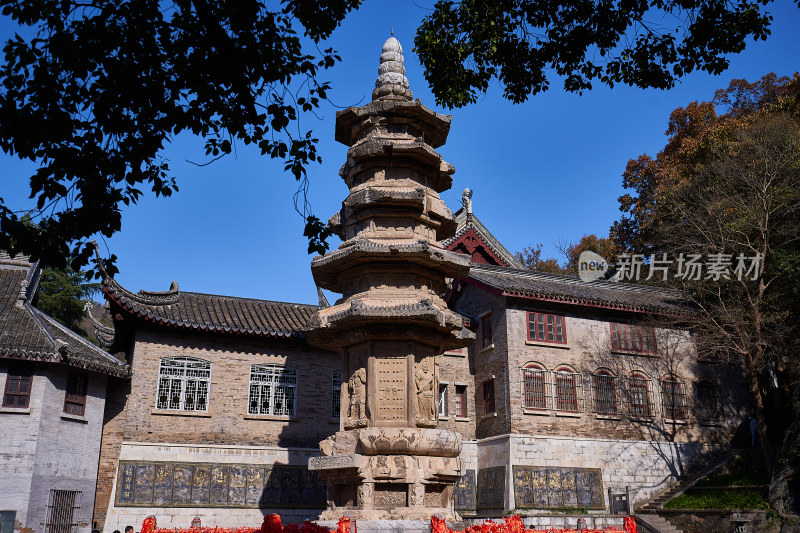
<point x="389" y="460"/>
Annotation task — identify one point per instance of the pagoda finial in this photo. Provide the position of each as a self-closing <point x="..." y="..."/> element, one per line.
<point x="392" y="83"/>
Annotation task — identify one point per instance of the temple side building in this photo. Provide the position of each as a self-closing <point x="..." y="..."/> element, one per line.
<point x="54" y="392"/>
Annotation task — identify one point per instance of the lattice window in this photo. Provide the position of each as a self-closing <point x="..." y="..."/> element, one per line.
<point x="19" y="380"/>
<point x="61" y="508"/>
<point x="639" y="398"/>
<point x="535" y="385"/>
<point x="75" y="398"/>
<point x="442" y="399"/>
<point x="604" y="393"/>
<point x="673" y="398"/>
<point x="568" y="390"/>
<point x="546" y="327"/>
<point x="273" y="390"/>
<point x="461" y="401"/>
<point x="183" y="384"/>
<point x="336" y="395"/>
<point x="707" y="401"/>
<point x="633" y="338"/>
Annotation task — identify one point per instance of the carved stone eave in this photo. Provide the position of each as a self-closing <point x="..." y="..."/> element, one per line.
<point x="326" y="269"/>
<point x="351" y="123"/>
<point x="431" y="209"/>
<point x="337" y="338"/>
<point x="378" y="155"/>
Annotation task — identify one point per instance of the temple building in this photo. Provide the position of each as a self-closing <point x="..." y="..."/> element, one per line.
<point x="54" y="394"/>
<point x="447" y="378"/>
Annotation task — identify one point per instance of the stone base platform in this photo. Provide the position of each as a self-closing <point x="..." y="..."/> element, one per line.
<point x="391" y="526"/>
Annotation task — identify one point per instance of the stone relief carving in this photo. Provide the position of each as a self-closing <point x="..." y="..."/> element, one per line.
<point x="365" y="494"/>
<point x="426" y="398"/>
<point x="357" y="391"/>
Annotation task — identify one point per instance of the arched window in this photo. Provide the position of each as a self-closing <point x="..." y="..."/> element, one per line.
<point x="273" y="390"/>
<point x="673" y="397"/>
<point x="534" y="379"/>
<point x="707" y="400"/>
<point x="604" y="392"/>
<point x="567" y="382"/>
<point x="639" y="401"/>
<point x="183" y="384"/>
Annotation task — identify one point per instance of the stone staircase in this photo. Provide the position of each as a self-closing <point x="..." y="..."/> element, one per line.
<point x="652" y="523"/>
<point x="699" y="471"/>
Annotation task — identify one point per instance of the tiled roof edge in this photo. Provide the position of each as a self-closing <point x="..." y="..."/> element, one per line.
<point x="471" y="221"/>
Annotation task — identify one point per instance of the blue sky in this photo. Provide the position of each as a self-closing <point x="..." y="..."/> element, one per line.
<point x="545" y="171"/>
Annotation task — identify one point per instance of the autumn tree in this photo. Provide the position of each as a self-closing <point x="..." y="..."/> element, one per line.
<point x="726" y="188"/>
<point x="531" y="256"/>
<point x="92" y="92"/>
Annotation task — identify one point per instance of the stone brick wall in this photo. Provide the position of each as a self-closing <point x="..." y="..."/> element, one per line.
<point x="455" y="371"/>
<point x="588" y="350"/>
<point x="648" y="467"/>
<point x="42" y="449"/>
<point x="488" y="362"/>
<point x="132" y="416"/>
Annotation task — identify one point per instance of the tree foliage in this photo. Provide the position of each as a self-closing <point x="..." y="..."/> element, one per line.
<point x="464" y="45"/>
<point x="531" y="256"/>
<point x="101" y="87"/>
<point x="92" y="92"/>
<point x="730" y="184"/>
<point x="63" y="293"/>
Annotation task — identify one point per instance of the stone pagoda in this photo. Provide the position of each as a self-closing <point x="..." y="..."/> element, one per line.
<point x="388" y="461"/>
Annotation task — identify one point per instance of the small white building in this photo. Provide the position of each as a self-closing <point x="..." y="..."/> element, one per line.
<point x="51" y="417"/>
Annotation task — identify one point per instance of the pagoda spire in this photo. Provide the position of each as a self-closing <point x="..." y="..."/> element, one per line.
<point x="389" y="459"/>
<point x="392" y="83"/>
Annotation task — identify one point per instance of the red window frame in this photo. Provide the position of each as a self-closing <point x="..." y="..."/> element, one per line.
<point x="534" y="391"/>
<point x="546" y="325"/>
<point x="633" y="338"/>
<point x="75" y="397"/>
<point x="488" y="397"/>
<point x="566" y="385"/>
<point x="673" y="398"/>
<point x="639" y="395"/>
<point x="486" y="330"/>
<point x="461" y="401"/>
<point x="19" y="381"/>
<point x="605" y="382"/>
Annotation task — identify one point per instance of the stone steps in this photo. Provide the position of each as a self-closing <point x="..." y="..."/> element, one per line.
<point x="699" y="472"/>
<point x="652" y="523"/>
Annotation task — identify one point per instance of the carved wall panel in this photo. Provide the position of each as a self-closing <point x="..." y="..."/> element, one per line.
<point x="168" y="484"/>
<point x="465" y="491"/>
<point x="491" y="487"/>
<point x="390" y="495"/>
<point x="550" y="487"/>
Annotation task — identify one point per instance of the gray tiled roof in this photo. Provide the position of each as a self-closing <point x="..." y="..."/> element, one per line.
<point x="213" y="313"/>
<point x="571" y="290"/>
<point x="27" y="333"/>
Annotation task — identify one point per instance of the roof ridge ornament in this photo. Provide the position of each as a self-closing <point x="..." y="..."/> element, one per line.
<point x="22" y="298"/>
<point x="466" y="200"/>
<point x="392" y="83"/>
